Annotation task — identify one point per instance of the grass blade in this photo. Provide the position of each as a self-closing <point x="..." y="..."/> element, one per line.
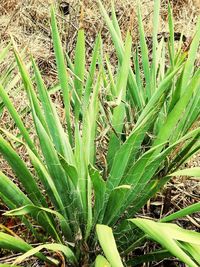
<point x="107" y="242"/>
<point x="144" y="52"/>
<point x="182" y="213"/>
<point x="155" y="256"/>
<point x="133" y="88"/>
<point x="55" y="128"/>
<point x="62" y="72"/>
<point x="176" y="113"/>
<point x="155" y="43"/>
<point x="22" y="173"/>
<point x="99" y="186"/>
<point x="14" y="114"/>
<point x="29" y="209"/>
<point x="79" y="71"/>
<point x="195" y="172"/>
<point x="115" y="21"/>
<point x="189" y="66"/>
<point x="118" y="195"/>
<point x="54" y="247"/>
<point x="91" y="73"/>
<point x="101" y="262"/>
<point x="119" y="111"/>
<point x="12" y="193"/>
<point x="159" y="232"/>
<point x="171" y="32"/>
<point x="28" y="85"/>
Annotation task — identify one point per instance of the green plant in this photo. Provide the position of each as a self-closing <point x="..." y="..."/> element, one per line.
<point x="147" y="126"/>
<point x="7" y="79"/>
<point x="183" y="244"/>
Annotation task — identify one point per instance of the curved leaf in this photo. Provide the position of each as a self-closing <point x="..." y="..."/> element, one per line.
<point x="101" y="262"/>
<point x="107" y="242"/>
<point x="160" y="233"/>
<point x="54" y="247"/>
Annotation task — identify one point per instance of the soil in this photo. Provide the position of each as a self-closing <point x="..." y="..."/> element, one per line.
<point x="27" y="21"/>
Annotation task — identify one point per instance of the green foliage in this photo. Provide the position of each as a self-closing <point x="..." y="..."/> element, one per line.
<point x="183" y="244"/>
<point x="144" y="110"/>
<point x="107" y="242"/>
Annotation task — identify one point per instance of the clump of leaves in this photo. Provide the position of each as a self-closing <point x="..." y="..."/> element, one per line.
<point x="66" y="193"/>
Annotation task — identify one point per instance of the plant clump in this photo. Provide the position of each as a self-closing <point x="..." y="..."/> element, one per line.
<point x="145" y="108"/>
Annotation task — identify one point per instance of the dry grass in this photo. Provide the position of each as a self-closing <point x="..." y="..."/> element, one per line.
<point x="28" y="22"/>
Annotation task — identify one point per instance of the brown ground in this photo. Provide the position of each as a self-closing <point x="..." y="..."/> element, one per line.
<point x="28" y="22"/>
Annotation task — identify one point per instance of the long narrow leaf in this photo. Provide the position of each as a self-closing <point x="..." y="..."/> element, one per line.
<point x="108" y="245"/>
<point x="159" y="232"/>
<point x="62" y="72"/>
<point x="79" y="71"/>
<point x="54" y="247"/>
<point x="54" y="125"/>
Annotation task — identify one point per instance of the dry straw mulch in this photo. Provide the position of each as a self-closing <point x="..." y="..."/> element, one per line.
<point x="27" y="21"/>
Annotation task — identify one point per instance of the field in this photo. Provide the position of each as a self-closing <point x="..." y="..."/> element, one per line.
<point x="94" y="143"/>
